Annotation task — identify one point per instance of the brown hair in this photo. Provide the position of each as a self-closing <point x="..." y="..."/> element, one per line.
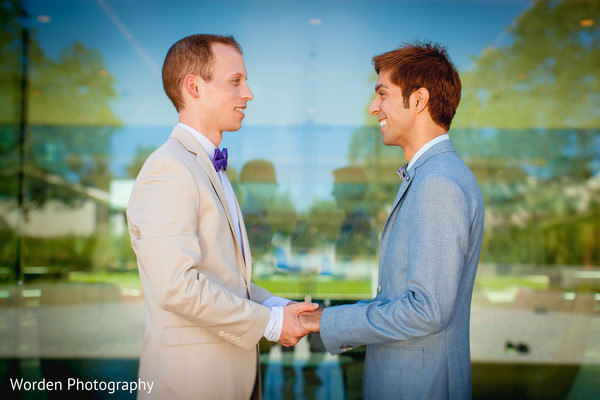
<point x="424" y="65"/>
<point x="190" y="55"/>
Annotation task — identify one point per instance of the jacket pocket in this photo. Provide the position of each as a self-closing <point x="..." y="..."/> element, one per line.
<point x="400" y="358"/>
<point x="186" y="334"/>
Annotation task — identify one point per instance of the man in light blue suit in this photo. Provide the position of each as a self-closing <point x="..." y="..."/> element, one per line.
<point x="417" y="327"/>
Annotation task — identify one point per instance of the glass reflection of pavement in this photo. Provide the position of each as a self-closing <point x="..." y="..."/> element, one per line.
<point x="94" y="331"/>
<point x="303" y="374"/>
<point x="70" y="321"/>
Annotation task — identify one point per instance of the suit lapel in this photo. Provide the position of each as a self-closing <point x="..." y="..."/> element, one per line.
<point x="202" y="158"/>
<point x="403" y="188"/>
<point x="438" y="148"/>
<point x="245" y="244"/>
<point x="399" y="196"/>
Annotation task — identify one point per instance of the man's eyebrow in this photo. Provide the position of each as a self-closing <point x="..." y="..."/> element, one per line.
<point x="381" y="85"/>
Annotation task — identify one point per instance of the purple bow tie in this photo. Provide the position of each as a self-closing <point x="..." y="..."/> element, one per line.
<point x="220" y="160"/>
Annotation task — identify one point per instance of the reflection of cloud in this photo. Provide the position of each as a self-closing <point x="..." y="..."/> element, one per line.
<point x="134" y="43"/>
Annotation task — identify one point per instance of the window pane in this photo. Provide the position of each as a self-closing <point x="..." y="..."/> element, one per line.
<point x="83" y="107"/>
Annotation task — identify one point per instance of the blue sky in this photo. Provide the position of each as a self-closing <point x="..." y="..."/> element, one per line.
<point x="309" y="61"/>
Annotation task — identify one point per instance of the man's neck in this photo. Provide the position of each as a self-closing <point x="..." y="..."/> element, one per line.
<point x="421" y="138"/>
<point x="214" y="137"/>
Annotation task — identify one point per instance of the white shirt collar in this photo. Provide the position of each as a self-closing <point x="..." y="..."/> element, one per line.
<point x="426" y="147"/>
<point x="208" y="146"/>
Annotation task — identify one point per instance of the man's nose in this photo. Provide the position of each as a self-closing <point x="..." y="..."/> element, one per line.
<point x="247" y="95"/>
<point x="374" y="107"/>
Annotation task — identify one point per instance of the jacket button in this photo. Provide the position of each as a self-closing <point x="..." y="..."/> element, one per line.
<point x="378" y="289"/>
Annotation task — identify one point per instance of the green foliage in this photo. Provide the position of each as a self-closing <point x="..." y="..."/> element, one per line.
<point x="69" y="251"/>
<point x="66" y="114"/>
<point x="75" y="89"/>
<point x="326" y="218"/>
<point x="282" y="214"/>
<point x="528" y="126"/>
<point x="540" y="92"/>
<point x="141" y="154"/>
<point x="100" y="251"/>
<point x="11" y="50"/>
<point x="545" y="76"/>
<point x="294" y="286"/>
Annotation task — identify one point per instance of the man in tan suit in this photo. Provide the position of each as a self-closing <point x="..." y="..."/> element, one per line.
<point x="204" y="317"/>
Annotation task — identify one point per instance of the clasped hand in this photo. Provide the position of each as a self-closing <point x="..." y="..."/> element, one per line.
<point x="298" y="321"/>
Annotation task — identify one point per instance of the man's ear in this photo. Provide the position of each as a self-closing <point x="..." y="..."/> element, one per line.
<point x="191" y="85"/>
<point x="422" y="99"/>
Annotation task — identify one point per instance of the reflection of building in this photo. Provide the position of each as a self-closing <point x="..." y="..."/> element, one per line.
<point x="120" y="190"/>
<point x="53" y="219"/>
<point x="358" y="234"/>
<point x="79" y="216"/>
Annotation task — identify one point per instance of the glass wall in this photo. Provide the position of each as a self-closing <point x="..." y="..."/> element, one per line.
<point x="83" y="106"/>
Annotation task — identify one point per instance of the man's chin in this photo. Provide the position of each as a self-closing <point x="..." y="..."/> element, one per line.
<point x="233" y="129"/>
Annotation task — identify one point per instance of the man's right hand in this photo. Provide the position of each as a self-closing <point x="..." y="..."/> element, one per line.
<point x="292" y="331"/>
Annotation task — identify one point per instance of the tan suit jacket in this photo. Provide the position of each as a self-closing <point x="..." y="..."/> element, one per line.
<point x="204" y="317"/>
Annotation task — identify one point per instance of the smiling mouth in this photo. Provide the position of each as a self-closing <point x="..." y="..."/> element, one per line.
<point x="383" y="123"/>
<point x="240" y="109"/>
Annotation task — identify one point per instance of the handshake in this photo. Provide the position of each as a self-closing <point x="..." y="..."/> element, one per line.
<point x="299" y="319"/>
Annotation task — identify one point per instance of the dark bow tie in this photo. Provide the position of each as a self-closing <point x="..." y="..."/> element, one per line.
<point x="220" y="160"/>
<point x="402" y="172"/>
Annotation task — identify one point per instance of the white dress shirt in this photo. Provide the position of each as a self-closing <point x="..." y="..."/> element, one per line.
<point x="275" y="303"/>
<point x="426" y="147"/>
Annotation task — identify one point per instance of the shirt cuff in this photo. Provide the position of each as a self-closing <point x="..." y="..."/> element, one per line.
<point x="273" y="329"/>
<point x="275" y="301"/>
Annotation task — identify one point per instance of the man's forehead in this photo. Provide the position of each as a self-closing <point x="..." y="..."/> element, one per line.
<point x="384" y="76"/>
<point x="383" y="80"/>
<point x="221" y="51"/>
<point x="229" y="58"/>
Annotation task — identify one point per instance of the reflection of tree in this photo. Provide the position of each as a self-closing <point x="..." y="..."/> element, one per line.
<point x="55" y="131"/>
<point x="68" y="122"/>
<point x="259" y="182"/>
<point x="528" y="126"/>
<point x="326" y="219"/>
<point x="546" y="76"/>
<point x="380" y="163"/>
<point x="358" y="234"/>
<point x="141" y="154"/>
<point x="540" y="92"/>
<point x="268" y="215"/>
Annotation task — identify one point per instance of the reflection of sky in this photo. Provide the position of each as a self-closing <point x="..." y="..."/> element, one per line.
<point x="309" y="66"/>
<point x="304" y="157"/>
<point x="308" y="61"/>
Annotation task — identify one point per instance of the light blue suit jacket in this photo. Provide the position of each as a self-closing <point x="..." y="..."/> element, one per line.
<point x="417" y="327"/>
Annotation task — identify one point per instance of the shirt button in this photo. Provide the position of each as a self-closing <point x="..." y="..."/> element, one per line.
<point x="378" y="289"/>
